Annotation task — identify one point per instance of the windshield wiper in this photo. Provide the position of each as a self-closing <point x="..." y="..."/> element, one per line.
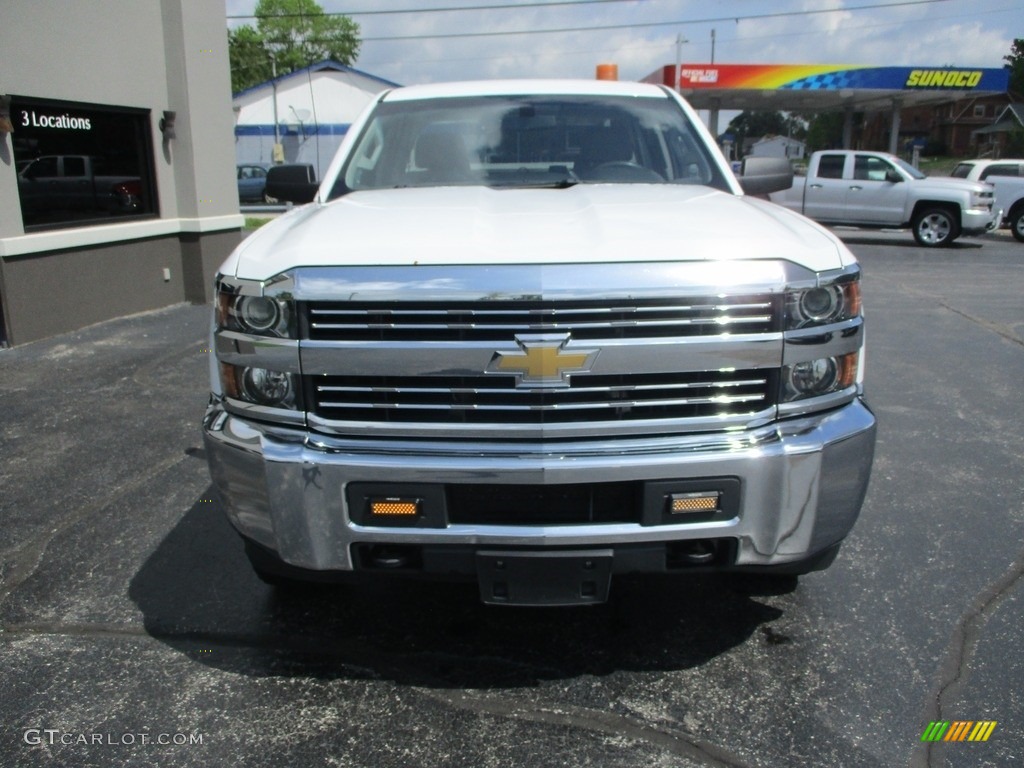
<point x="570" y="180"/>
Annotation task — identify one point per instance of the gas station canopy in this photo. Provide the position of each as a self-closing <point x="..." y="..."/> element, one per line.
<point x="826" y="87"/>
<point x="823" y="87"/>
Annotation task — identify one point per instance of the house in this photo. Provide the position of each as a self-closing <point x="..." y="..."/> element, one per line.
<point x="956" y="127"/>
<point x="778" y="146"/>
<point x="305" y="114"/>
<point x="991" y="141"/>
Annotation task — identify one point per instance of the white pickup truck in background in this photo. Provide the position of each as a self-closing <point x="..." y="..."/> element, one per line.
<point x="1007" y="176"/>
<point x="1009" y="198"/>
<point x="878" y="190"/>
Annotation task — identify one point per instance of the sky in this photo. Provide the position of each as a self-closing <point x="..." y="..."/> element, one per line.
<point x="640" y="36"/>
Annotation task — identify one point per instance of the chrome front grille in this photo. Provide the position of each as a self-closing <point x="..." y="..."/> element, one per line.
<point x="591" y="398"/>
<point x="501" y="320"/>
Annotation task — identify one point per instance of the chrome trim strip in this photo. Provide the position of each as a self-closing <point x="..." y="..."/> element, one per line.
<point x="575" y="390"/>
<point x="615" y="282"/>
<point x="269" y="352"/>
<point x="824" y="341"/>
<point x="811" y="405"/>
<point x="263" y="412"/>
<point x="530" y="327"/>
<point x="502" y="431"/>
<point x="710" y="442"/>
<point x="389" y="309"/>
<point x="551" y="407"/>
<point x="671" y="355"/>
<point x="279" y="286"/>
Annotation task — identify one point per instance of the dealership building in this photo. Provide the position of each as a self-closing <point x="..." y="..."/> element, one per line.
<point x="117" y="155"/>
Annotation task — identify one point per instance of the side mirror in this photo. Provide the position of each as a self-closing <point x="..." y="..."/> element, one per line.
<point x="295" y="183"/>
<point x="761" y="175"/>
<point x="893" y="177"/>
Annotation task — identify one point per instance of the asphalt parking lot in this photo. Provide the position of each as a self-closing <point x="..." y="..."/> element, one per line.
<point x="132" y="631"/>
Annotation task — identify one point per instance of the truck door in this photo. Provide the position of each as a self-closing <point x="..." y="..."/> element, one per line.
<point x="825" y="195"/>
<point x="76" y="187"/>
<point x="873" y="196"/>
<point x="37" y="185"/>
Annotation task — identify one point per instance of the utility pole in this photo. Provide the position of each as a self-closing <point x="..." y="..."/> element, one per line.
<point x="712" y="46"/>
<point x="679" y="58"/>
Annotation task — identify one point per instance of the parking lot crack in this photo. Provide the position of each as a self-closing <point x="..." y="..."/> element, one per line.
<point x="677" y="743"/>
<point x="955" y="670"/>
<point x="1002" y="330"/>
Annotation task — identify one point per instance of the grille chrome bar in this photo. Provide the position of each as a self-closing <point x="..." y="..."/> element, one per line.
<point x="512" y="392"/>
<point x="388" y="311"/>
<point x="520" y="327"/>
<point x="488" y="399"/>
<point x="469" y="321"/>
<point x="551" y="406"/>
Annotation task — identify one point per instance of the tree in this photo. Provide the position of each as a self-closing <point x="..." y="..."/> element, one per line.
<point x="757" y="123"/>
<point x="289" y="35"/>
<point x="824" y="130"/>
<point x="1015" y="63"/>
<point x="250" y="62"/>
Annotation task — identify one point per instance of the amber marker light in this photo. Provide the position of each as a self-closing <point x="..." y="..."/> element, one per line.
<point x="852" y="291"/>
<point x="393" y="507"/>
<point x="848" y="370"/>
<point x="688" y="503"/>
<point x="229" y="380"/>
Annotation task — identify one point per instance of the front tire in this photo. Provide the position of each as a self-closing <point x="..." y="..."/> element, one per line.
<point x="935" y="227"/>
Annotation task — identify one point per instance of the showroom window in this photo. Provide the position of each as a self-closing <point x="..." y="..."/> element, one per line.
<point x="81" y="164"/>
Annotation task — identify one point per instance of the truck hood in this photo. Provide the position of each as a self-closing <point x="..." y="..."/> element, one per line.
<point x="586" y="223"/>
<point x="949" y="184"/>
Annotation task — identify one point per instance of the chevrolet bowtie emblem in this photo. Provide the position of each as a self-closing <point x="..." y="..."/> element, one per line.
<point x="542" y="360"/>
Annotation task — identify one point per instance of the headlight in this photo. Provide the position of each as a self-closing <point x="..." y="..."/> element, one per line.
<point x="813" y="377"/>
<point x="259" y="386"/>
<point x="257" y="346"/>
<point x="265" y="387"/>
<point x="259" y="315"/>
<point x="258" y="312"/>
<point x="823" y="304"/>
<point x="823" y="376"/>
<point x="982" y="199"/>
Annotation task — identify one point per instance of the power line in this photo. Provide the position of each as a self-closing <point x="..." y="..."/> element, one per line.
<point x="561" y="3"/>
<point x="678" y="22"/>
<point x="647" y="45"/>
<point x="502" y="6"/>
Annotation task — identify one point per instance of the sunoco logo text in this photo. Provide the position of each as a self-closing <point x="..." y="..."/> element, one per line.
<point x="943" y="78"/>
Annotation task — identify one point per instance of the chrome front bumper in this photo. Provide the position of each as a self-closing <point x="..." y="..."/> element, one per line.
<point x="802" y="484"/>
<point x="975" y="222"/>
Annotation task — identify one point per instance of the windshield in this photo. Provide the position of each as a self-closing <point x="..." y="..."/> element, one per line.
<point x="914" y="173"/>
<point x="517" y="141"/>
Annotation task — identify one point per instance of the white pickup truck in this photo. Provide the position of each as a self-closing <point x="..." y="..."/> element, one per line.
<point x="535" y="335"/>
<point x="879" y="190"/>
<point x="1006" y="175"/>
<point x="1009" y="197"/>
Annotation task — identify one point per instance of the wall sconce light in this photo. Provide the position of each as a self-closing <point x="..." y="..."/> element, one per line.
<point x="5" y="115"/>
<point x="167" y="124"/>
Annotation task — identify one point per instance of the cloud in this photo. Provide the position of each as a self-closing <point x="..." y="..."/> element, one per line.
<point x="978" y="33"/>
